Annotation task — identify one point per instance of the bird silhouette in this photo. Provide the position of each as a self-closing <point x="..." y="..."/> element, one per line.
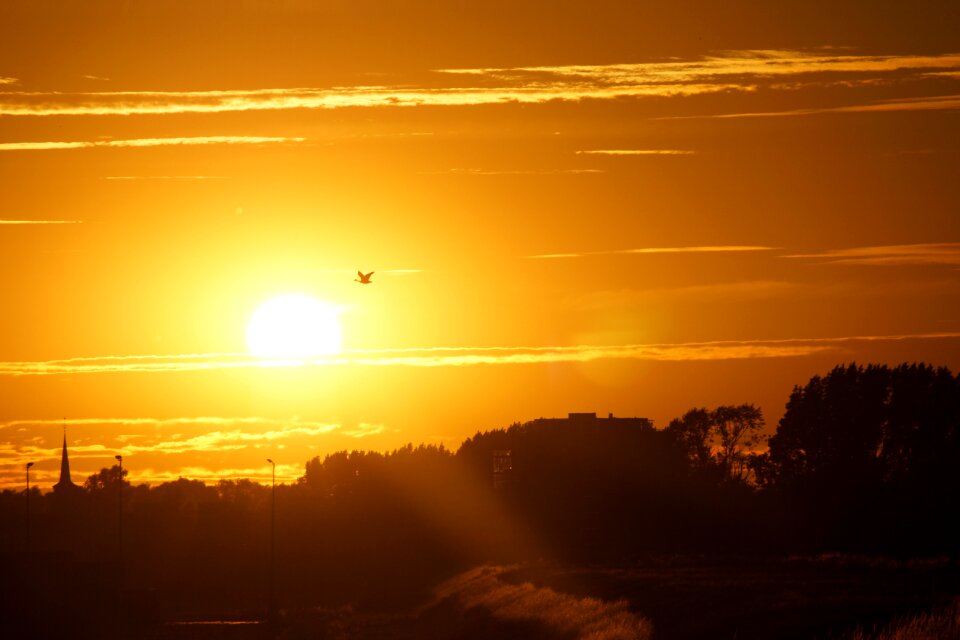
<point x="364" y="278"/>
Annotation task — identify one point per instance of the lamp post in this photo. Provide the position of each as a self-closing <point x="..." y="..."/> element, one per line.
<point x="272" y="604"/>
<point x="119" y="460"/>
<point x="27" y="529"/>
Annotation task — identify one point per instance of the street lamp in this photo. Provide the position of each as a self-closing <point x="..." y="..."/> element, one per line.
<point x="272" y="605"/>
<point x="27" y="530"/>
<point x="119" y="460"/>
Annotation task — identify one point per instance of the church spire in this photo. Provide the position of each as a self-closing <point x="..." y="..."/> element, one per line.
<point x="65" y="481"/>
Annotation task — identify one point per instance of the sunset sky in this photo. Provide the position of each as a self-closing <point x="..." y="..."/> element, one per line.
<point x="623" y="207"/>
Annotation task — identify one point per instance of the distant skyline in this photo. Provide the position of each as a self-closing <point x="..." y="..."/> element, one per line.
<point x="597" y="207"/>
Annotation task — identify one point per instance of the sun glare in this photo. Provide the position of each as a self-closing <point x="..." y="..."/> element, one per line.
<point x="294" y="327"/>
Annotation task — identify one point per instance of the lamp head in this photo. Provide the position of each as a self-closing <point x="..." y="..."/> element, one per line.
<point x="271" y="461"/>
<point x="119" y="458"/>
<point x="29" y="464"/>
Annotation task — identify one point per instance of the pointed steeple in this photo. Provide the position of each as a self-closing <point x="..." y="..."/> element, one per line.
<point x="65" y="481"/>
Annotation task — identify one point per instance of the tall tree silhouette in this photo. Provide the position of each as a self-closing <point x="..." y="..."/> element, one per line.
<point x="693" y="433"/>
<point x="719" y="442"/>
<point x="738" y="432"/>
<point x="869" y="449"/>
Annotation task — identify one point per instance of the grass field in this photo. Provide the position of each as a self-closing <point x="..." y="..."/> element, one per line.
<point x="822" y="598"/>
<point x="798" y="598"/>
<point x="941" y="624"/>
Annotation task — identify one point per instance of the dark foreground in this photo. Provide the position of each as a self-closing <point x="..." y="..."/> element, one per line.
<point x="827" y="598"/>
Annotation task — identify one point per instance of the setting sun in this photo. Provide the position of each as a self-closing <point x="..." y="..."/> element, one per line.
<point x="294" y="326"/>
<point x="388" y="319"/>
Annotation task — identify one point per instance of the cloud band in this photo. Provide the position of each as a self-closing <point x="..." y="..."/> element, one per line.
<point x="461" y="356"/>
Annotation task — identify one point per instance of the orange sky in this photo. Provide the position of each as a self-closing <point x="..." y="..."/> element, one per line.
<point x="569" y="206"/>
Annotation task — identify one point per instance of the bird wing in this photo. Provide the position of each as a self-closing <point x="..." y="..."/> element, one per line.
<point x="359" y="273"/>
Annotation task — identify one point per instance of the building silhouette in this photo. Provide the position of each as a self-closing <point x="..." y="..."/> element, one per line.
<point x="591" y="420"/>
<point x="552" y="437"/>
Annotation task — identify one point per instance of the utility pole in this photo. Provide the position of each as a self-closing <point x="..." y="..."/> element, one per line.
<point x="272" y="605"/>
<point x="26" y="544"/>
<point x="119" y="460"/>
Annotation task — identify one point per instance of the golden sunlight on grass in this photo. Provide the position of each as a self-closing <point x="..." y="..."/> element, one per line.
<point x="933" y="625"/>
<point x="294" y="327"/>
<point x="569" y="616"/>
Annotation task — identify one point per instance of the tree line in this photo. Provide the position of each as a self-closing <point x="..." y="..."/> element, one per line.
<point x="864" y="459"/>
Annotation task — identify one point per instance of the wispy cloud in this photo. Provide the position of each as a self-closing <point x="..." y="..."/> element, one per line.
<point x="655" y="250"/>
<point x="364" y="430"/>
<point x="636" y="152"/>
<point x="760" y="63"/>
<point x="740" y="71"/>
<point x="162" y="436"/>
<point x="227" y="440"/>
<point x="170" y="438"/>
<point x="145" y="142"/>
<point x="159" y="103"/>
<point x="32" y="452"/>
<point x="142" y="364"/>
<point x="6" y="80"/>
<point x="512" y="172"/>
<point x="589" y="353"/>
<point x="929" y="103"/>
<point x="159" y="423"/>
<point x="23" y="222"/>
<point x="942" y="253"/>
<point x="462" y="356"/>
<point x="127" y="178"/>
<point x="10" y="475"/>
<point x="285" y="473"/>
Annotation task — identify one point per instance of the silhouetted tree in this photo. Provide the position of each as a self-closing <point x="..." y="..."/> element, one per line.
<point x="693" y="434"/>
<point x="738" y="432"/>
<point x="869" y="424"/>
<point x="106" y="478"/>
<point x="866" y="449"/>
<point x="719" y="442"/>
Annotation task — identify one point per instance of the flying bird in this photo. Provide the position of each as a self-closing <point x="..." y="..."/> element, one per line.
<point x="364" y="278"/>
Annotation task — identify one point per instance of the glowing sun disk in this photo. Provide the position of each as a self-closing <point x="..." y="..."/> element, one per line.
<point x="294" y="326"/>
